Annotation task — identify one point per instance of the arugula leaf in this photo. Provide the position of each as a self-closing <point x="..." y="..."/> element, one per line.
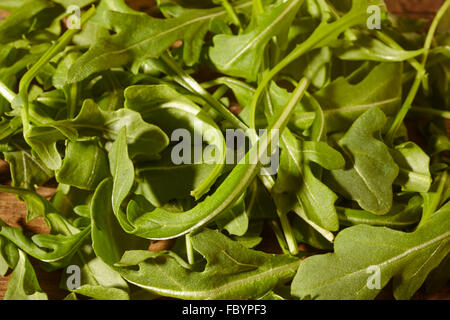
<point x="370" y="170"/>
<point x="322" y="36"/>
<point x="23" y="284"/>
<point x="87" y="173"/>
<point x="230" y="272"/>
<point x="27" y="170"/>
<point x="407" y="258"/>
<point x="414" y="166"/>
<point x="37" y="206"/>
<point x="25" y="19"/>
<point x="369" y="49"/>
<point x="151" y="37"/>
<point x="235" y="220"/>
<point x="170" y="111"/>
<point x="97" y="280"/>
<point x="247" y="51"/>
<point x="144" y="139"/>
<point x="161" y="224"/>
<point x="401" y="215"/>
<point x="296" y="176"/>
<point x="45" y="247"/>
<point x="343" y="102"/>
<point x="9" y="255"/>
<point x="109" y="241"/>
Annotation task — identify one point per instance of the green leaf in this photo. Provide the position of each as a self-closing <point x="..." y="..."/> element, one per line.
<point x="37" y="206"/>
<point x="27" y="170"/>
<point x="97" y="279"/>
<point x="109" y="241"/>
<point x="144" y="139"/>
<point x="171" y="111"/>
<point x="296" y="176"/>
<point x="241" y="55"/>
<point x="122" y="170"/>
<point x="439" y="141"/>
<point x="151" y="36"/>
<point x="343" y="102"/>
<point x="9" y="255"/>
<point x="407" y="258"/>
<point x="45" y="247"/>
<point x="23" y="284"/>
<point x="366" y="48"/>
<point x="235" y="220"/>
<point x="436" y="196"/>
<point x="401" y="215"/>
<point x="414" y="166"/>
<point x="232" y="271"/>
<point x="86" y="172"/>
<point x="370" y="170"/>
<point x="162" y="224"/>
<point x="155" y="178"/>
<point x="25" y="19"/>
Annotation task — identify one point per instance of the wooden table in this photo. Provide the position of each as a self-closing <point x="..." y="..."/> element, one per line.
<point x="13" y="212"/>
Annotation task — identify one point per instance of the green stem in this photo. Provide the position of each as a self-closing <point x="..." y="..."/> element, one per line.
<point x="189" y="249"/>
<point x="188" y="82"/>
<point x="320" y="36"/>
<point x="218" y="94"/>
<point x="430" y="111"/>
<point x="231" y="13"/>
<point x="436" y="200"/>
<point x="279" y="236"/>
<point x="7" y="93"/>
<point x="14" y="190"/>
<point x="28" y="77"/>
<point x="73" y="99"/>
<point x="268" y="181"/>
<point x="288" y="234"/>
<point x="258" y="7"/>
<point x="400" y="117"/>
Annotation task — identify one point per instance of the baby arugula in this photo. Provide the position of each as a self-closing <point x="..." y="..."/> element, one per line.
<point x="406" y="257"/>
<point x="355" y="117"/>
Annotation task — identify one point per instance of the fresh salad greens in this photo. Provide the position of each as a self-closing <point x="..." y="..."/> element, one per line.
<point x="292" y="149"/>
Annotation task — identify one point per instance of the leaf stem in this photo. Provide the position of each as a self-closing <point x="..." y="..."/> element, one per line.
<point x="279" y="236"/>
<point x="430" y="111"/>
<point x="188" y="82"/>
<point x="258" y="7"/>
<point x="400" y="117"/>
<point x="231" y="13"/>
<point x="189" y="249"/>
<point x="436" y="199"/>
<point x="323" y="34"/>
<point x="288" y="234"/>
<point x="7" y="93"/>
<point x="392" y="43"/>
<point x="14" y="190"/>
<point x="218" y="94"/>
<point x="73" y="99"/>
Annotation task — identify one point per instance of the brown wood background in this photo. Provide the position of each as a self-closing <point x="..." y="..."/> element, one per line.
<point x="13" y="212"/>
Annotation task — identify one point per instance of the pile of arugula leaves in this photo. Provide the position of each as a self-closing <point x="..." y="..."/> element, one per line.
<point x="93" y="109"/>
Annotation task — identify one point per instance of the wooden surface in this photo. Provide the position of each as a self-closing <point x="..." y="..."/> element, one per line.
<point x="13" y="212"/>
